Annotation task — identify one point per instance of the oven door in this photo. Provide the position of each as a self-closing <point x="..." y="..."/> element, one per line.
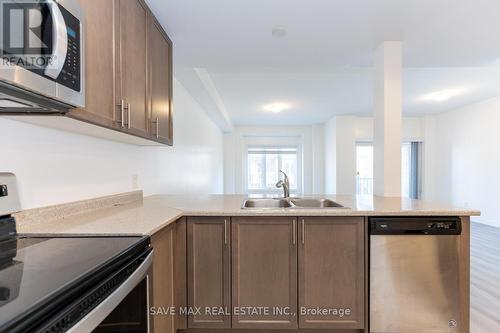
<point x="126" y="309"/>
<point x="42" y="48"/>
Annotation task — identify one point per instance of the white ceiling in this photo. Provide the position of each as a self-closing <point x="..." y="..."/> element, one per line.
<point x="322" y="67"/>
<point x="317" y="95"/>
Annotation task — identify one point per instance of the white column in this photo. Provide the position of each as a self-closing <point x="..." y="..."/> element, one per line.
<point x="387" y="109"/>
<point x="318" y="152"/>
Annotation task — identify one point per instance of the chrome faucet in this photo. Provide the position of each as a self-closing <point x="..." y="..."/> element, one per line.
<point x="285" y="183"/>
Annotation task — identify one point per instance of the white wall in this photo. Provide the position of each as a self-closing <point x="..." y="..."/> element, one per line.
<point x="54" y="166"/>
<point x="310" y="139"/>
<point x="341" y="135"/>
<point x="462" y="159"/>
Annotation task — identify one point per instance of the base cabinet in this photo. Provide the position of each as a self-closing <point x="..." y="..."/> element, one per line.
<point x="331" y="272"/>
<point x="163" y="243"/>
<point x="208" y="272"/>
<point x="169" y="278"/>
<point x="264" y="272"/>
<point x="277" y="273"/>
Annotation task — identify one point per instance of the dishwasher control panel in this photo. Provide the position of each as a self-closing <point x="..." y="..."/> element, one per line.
<point x="415" y="226"/>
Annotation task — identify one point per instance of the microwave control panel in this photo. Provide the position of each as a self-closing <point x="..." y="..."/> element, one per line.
<point x="70" y="75"/>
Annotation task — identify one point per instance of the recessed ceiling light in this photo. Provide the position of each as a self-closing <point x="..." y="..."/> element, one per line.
<point x="443" y="95"/>
<point x="276" y="107"/>
<point x="279" y="31"/>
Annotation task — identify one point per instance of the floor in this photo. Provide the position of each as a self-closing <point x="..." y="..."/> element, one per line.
<point x="485" y="279"/>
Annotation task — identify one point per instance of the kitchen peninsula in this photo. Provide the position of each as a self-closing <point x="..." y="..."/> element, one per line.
<point x="221" y="266"/>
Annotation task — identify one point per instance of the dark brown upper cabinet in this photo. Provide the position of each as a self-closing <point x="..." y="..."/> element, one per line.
<point x="208" y="271"/>
<point x="161" y="84"/>
<point x="100" y="103"/>
<point x="264" y="272"/>
<point x="332" y="272"/>
<point x="132" y="70"/>
<point x="128" y="70"/>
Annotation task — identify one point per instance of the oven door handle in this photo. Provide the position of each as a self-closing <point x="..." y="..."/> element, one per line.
<point x="60" y="41"/>
<point x="101" y="311"/>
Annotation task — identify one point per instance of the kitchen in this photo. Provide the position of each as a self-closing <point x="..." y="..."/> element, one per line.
<point x="176" y="132"/>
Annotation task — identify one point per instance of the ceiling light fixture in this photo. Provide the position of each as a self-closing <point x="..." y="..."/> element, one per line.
<point x="276" y="107"/>
<point x="443" y="95"/>
<point x="279" y="32"/>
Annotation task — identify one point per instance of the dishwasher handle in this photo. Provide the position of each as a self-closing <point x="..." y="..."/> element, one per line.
<point x="415" y="226"/>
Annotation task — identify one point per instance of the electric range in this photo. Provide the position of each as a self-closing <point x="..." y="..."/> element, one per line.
<point x="70" y="284"/>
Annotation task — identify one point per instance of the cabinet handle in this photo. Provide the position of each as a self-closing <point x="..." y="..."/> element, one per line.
<point x="122" y="113"/>
<point x="157" y="122"/>
<point x="303" y="231"/>
<point x="129" y="108"/>
<point x="294" y="226"/>
<point x="225" y="231"/>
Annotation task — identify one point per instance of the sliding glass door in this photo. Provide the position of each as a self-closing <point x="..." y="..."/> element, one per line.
<point x="410" y="169"/>
<point x="364" y="166"/>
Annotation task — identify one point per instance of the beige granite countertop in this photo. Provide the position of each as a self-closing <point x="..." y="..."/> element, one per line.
<point x="230" y="205"/>
<point x="137" y="216"/>
<point x="130" y="218"/>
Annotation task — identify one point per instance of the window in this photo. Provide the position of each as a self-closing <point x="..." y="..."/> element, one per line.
<point x="410" y="169"/>
<point x="264" y="164"/>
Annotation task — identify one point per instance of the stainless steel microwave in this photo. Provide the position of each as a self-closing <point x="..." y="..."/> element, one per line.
<point x="42" y="67"/>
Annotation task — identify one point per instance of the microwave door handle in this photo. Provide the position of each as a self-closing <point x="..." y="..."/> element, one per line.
<point x="60" y="41"/>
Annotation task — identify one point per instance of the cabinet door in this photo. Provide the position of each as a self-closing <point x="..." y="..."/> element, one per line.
<point x="180" y="273"/>
<point x="264" y="272"/>
<point x="332" y="272"/>
<point x="160" y="84"/>
<point x="100" y="106"/>
<point x="133" y="31"/>
<point x="163" y="277"/>
<point x="209" y="272"/>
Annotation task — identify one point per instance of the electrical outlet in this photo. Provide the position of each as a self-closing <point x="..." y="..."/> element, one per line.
<point x="135" y="181"/>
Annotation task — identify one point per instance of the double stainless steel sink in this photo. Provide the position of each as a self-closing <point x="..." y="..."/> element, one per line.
<point x="311" y="203"/>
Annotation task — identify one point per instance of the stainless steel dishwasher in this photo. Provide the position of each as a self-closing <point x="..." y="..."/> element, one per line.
<point x="414" y="280"/>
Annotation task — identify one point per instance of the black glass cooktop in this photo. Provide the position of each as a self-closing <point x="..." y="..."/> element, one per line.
<point x="45" y="269"/>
